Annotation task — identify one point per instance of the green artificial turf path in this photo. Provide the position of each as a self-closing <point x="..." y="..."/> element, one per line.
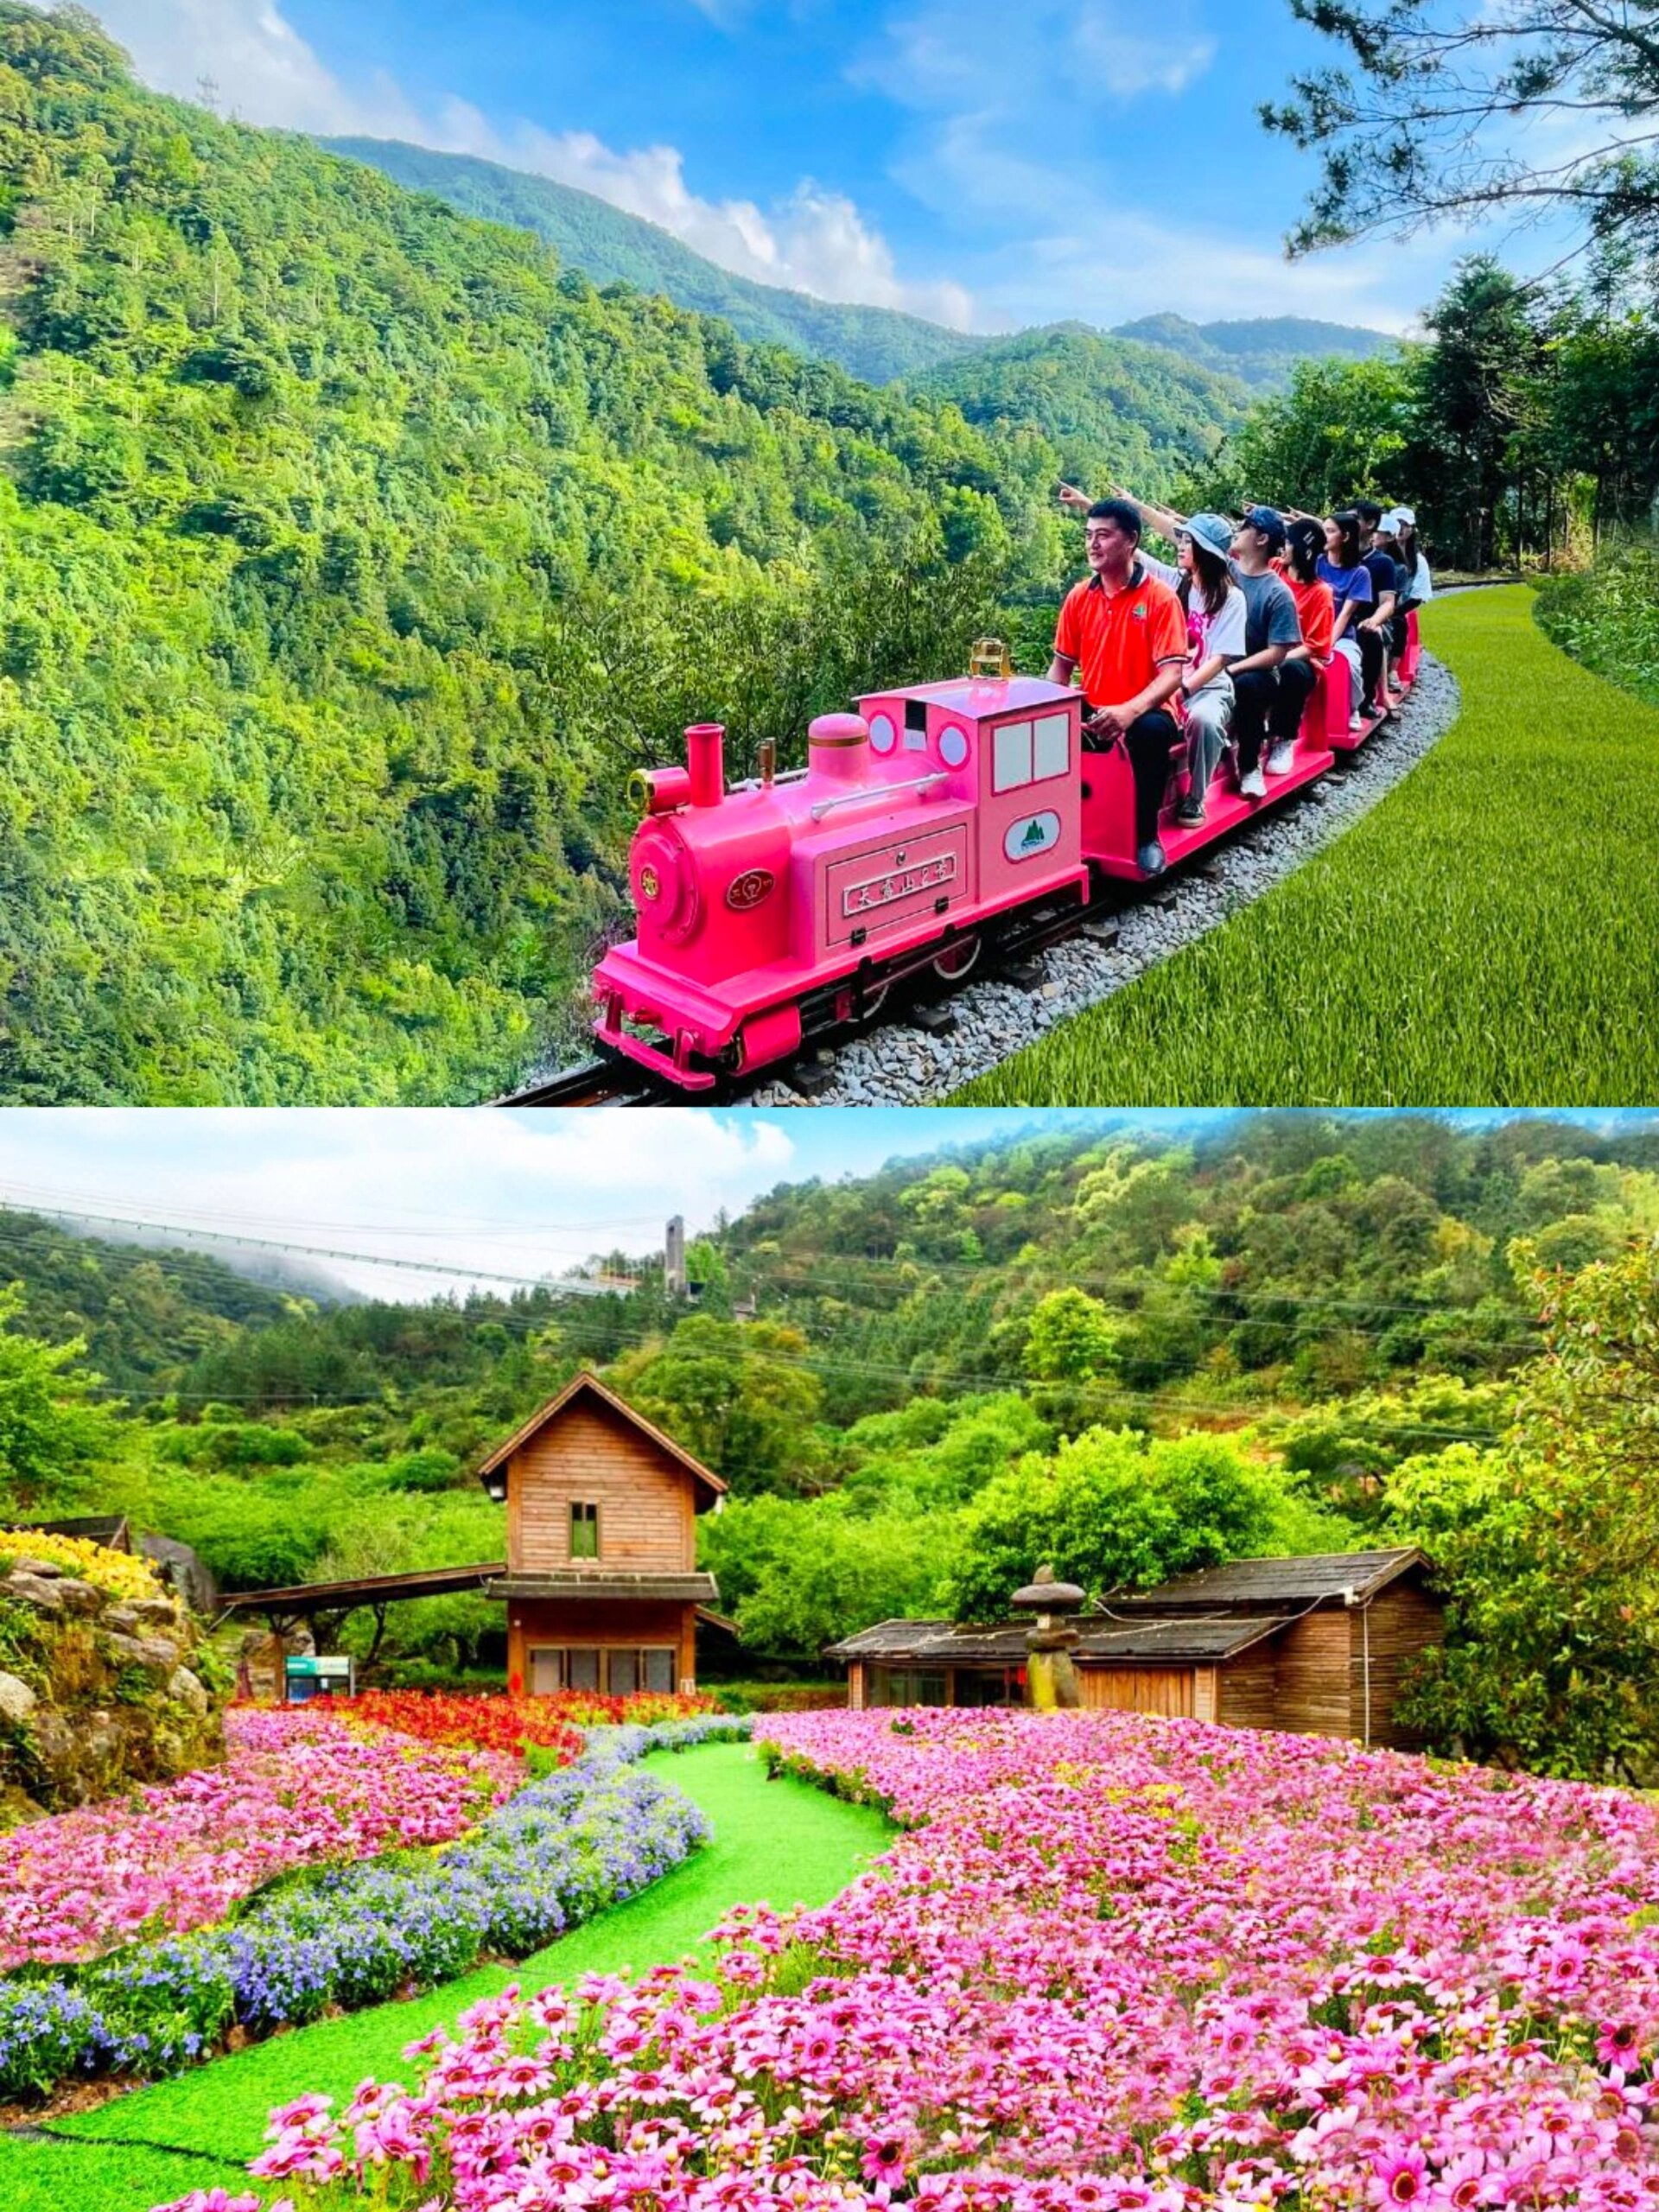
<point x="782" y="1842"/>
<point x="1484" y="936"/>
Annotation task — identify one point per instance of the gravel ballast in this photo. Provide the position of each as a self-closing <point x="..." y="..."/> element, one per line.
<point x="899" y="1065"/>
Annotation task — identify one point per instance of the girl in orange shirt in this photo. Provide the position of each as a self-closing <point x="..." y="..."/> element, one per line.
<point x="1316" y="608"/>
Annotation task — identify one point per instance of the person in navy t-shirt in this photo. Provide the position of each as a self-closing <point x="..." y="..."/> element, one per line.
<point x="1343" y="569"/>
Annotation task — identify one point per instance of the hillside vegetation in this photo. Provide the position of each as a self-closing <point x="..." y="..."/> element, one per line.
<point x="614" y="247"/>
<point x="351" y="552"/>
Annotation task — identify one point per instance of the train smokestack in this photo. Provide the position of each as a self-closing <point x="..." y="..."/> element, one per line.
<point x="705" y="757"/>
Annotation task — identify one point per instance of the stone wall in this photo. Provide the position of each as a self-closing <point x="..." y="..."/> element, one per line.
<point x="97" y="1692"/>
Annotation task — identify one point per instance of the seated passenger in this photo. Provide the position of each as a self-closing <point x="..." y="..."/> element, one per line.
<point x="1315" y="607"/>
<point x="1270" y="631"/>
<point x="1273" y="683"/>
<point x="1397" y="534"/>
<point x="1341" y="567"/>
<point x="1373" y="630"/>
<point x="1216" y="628"/>
<point x="1127" y="632"/>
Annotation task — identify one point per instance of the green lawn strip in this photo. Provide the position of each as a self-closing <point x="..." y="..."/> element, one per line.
<point x="783" y="1841"/>
<point x="1485" y="936"/>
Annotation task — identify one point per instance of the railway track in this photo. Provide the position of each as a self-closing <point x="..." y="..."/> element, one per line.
<point x="918" y="997"/>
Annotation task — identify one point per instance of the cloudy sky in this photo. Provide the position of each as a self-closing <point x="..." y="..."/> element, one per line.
<point x="986" y="165"/>
<point x="471" y="1197"/>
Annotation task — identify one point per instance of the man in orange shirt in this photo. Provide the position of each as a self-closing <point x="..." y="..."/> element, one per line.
<point x="1128" y="632"/>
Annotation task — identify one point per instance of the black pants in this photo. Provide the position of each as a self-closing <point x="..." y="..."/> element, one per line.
<point x="1269" y="700"/>
<point x="1370" y="664"/>
<point x="1148" y="740"/>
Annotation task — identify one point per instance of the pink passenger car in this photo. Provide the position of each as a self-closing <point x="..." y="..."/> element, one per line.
<point x="793" y="902"/>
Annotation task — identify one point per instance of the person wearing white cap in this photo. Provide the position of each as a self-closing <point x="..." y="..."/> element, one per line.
<point x="1399" y="526"/>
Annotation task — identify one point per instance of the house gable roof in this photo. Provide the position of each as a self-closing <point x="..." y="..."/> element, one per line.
<point x="1100" y="1642"/>
<point x="586" y="1384"/>
<point x="1323" y="1579"/>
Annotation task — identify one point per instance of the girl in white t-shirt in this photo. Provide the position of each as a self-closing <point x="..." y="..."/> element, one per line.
<point x="1216" y="619"/>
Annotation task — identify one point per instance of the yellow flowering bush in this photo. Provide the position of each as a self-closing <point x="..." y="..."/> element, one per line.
<point x="122" y="1574"/>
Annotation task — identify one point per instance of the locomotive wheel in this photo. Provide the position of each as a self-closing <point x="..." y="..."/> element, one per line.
<point x="961" y="960"/>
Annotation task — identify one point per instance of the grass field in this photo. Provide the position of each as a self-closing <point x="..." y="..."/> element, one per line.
<point x="1484" y="937"/>
<point x="783" y="1841"/>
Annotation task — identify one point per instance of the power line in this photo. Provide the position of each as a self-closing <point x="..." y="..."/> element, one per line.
<point x="555" y="1285"/>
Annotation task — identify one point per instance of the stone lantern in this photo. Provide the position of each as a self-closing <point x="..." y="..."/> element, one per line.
<point x="1051" y="1677"/>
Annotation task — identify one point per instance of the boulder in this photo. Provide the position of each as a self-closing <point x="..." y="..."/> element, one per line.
<point x="158" y="1655"/>
<point x="155" y="1612"/>
<point x="17" y="1701"/>
<point x="122" y="1620"/>
<point x="44" y="1570"/>
<point x="79" y="1598"/>
<point x="34" y="1590"/>
<point x="187" y="1688"/>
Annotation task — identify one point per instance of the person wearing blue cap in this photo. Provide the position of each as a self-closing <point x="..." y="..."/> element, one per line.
<point x="1274" y="678"/>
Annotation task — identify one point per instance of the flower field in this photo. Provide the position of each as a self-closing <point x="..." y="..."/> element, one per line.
<point x="1113" y="1963"/>
<point x="299" y="1788"/>
<point x="508" y="1724"/>
<point x="339" y="1934"/>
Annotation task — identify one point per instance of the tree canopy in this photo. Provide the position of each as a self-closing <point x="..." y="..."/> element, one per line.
<point x="1513" y="106"/>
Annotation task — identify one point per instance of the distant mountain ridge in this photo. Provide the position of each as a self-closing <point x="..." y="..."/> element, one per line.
<point x="874" y="344"/>
<point x="1261" y="352"/>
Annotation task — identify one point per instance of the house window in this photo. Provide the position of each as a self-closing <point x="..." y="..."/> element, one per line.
<point x="907" y="1686"/>
<point x="610" y="1670"/>
<point x="1029" y="753"/>
<point x="584" y="1531"/>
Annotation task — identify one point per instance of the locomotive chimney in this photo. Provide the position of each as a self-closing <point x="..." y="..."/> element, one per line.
<point x="838" y="748"/>
<point x="705" y="756"/>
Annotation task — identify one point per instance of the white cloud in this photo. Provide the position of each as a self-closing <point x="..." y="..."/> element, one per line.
<point x="526" y="1195"/>
<point x="1053" y="56"/>
<point x="813" y="241"/>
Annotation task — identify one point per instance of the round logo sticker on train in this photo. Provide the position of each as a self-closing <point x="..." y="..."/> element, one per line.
<point x="749" y="889"/>
<point x="1030" y="834"/>
<point x="650" y="883"/>
<point x="883" y="735"/>
<point x="953" y="745"/>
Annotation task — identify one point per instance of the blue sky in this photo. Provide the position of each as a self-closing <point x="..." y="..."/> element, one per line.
<point x="986" y="164"/>
<point x="474" y="1195"/>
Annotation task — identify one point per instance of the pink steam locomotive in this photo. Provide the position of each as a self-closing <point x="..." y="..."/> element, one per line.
<point x="922" y="827"/>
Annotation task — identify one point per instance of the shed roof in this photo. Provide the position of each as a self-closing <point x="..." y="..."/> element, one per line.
<point x="1102" y="1641"/>
<point x="1325" y="1578"/>
<point x="109" y="1530"/>
<point x="589" y="1384"/>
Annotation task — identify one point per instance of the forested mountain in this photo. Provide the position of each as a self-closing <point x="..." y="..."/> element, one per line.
<point x="144" y="1313"/>
<point x="875" y="343"/>
<point x="1113" y="409"/>
<point x="1261" y="351"/>
<point x="351" y="553"/>
<point x="613" y="247"/>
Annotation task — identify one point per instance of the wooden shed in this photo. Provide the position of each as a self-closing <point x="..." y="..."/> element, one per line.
<point x="602" y="1583"/>
<point x="1311" y="1646"/>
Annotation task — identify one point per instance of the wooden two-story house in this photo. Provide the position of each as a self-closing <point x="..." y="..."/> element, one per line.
<point x="601" y="1588"/>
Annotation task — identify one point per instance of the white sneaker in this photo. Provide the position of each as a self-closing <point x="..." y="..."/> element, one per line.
<point x="1252" y="786"/>
<point x="1281" y="759"/>
<point x="1355" y="723"/>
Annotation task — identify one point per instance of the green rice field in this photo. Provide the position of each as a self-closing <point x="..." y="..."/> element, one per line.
<point x="780" y="1842"/>
<point x="1485" y="935"/>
